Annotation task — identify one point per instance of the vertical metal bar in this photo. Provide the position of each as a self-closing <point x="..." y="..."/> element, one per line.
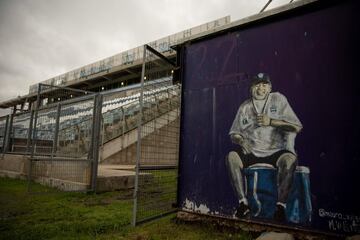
<point x="28" y="142"/>
<point x="56" y="135"/>
<point x="90" y="157"/>
<point x="138" y="146"/>
<point x="37" y="105"/>
<point x="266" y="5"/>
<point x="169" y="106"/>
<point x="122" y="128"/>
<point x="157" y="110"/>
<point x="97" y="136"/>
<point x="95" y="139"/>
<point x="9" y="131"/>
<point x="5" y="134"/>
<point x="125" y="127"/>
<point x="102" y="133"/>
<point x="90" y="153"/>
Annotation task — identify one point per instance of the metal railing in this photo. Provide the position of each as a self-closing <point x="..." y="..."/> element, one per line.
<point x="64" y="138"/>
<point x="158" y="141"/>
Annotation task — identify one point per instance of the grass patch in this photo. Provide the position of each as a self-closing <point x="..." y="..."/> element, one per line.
<point x="46" y="216"/>
<point x="87" y="216"/>
<point x="157" y="192"/>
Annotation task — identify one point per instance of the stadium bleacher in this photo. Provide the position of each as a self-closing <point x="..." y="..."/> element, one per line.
<point x="75" y="119"/>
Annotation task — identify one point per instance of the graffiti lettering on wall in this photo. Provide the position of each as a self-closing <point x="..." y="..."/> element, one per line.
<point x="85" y="72"/>
<point x="128" y="58"/>
<point x="341" y="222"/>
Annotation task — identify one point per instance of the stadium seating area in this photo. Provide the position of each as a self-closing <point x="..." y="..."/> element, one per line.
<point x="75" y="124"/>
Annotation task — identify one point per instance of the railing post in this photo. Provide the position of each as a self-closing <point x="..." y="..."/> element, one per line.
<point x="94" y="151"/>
<point x="34" y="134"/>
<point x="37" y="105"/>
<point x="6" y="130"/>
<point x="9" y="130"/>
<point x="56" y="134"/>
<point x="28" y="142"/>
<point x="122" y="127"/>
<point x="138" y="146"/>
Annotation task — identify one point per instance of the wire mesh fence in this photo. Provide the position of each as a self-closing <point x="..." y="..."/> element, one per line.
<point x="63" y="141"/>
<point x="158" y="141"/>
<point x="75" y="129"/>
<point x="119" y="126"/>
<point x="19" y="131"/>
<point x="64" y="128"/>
<point x="120" y="115"/>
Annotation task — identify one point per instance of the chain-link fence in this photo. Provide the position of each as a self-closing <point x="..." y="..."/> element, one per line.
<point x="139" y="125"/>
<point x="64" y="142"/>
<point x="120" y="115"/>
<point x="158" y="139"/>
<point x="16" y="133"/>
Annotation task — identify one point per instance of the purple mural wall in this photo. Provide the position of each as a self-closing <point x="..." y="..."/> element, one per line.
<point x="311" y="58"/>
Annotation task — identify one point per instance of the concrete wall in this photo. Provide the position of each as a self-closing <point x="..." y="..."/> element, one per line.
<point x="14" y="166"/>
<point x="65" y="175"/>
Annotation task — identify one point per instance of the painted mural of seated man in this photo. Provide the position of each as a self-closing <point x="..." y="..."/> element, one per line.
<point x="264" y="128"/>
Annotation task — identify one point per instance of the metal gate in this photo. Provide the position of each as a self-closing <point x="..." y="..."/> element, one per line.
<point x="158" y="138"/>
<point x="64" y="130"/>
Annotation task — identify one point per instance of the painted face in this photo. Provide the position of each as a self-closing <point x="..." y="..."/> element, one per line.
<point x="260" y="90"/>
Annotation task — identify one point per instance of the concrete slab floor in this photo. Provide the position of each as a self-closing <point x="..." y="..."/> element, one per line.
<point x="115" y="170"/>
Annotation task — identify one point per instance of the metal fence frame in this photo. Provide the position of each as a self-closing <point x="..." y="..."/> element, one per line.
<point x="93" y="152"/>
<point x="158" y="110"/>
<point x="6" y="118"/>
<point x="139" y="168"/>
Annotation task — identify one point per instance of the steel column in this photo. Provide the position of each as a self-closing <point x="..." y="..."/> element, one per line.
<point x="138" y="146"/>
<point x="37" y="105"/>
<point x="56" y="135"/>
<point x="8" y="132"/>
<point x="28" y="142"/>
<point x="5" y="135"/>
<point x="96" y="139"/>
<point x="33" y="145"/>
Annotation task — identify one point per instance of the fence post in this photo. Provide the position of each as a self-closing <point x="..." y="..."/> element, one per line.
<point x="138" y="146"/>
<point x="56" y="135"/>
<point x="9" y="130"/>
<point x="95" y="140"/>
<point x="33" y="145"/>
<point x="28" y="143"/>
<point x="5" y="135"/>
<point x="102" y="134"/>
<point x="37" y="105"/>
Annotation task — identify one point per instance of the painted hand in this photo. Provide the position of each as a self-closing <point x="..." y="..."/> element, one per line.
<point x="263" y="120"/>
<point x="238" y="139"/>
<point x="246" y="147"/>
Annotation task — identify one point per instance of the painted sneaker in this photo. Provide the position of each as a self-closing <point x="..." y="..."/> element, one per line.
<point x="279" y="214"/>
<point x="243" y="211"/>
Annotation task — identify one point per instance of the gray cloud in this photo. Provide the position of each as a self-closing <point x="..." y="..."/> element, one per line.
<point x="40" y="39"/>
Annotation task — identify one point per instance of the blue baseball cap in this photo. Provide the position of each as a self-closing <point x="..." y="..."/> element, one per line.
<point x="260" y="78"/>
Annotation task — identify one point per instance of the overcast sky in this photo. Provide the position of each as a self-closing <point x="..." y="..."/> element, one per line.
<point x="40" y="39"/>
